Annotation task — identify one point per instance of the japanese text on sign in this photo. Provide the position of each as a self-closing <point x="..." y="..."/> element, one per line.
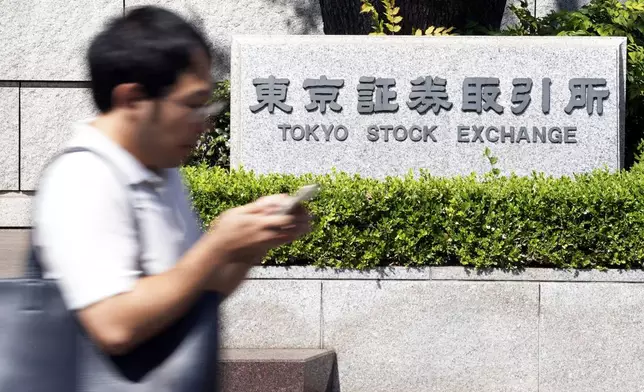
<point x="429" y="94"/>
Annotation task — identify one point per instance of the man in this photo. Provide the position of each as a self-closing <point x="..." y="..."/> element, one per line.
<point x="150" y="74"/>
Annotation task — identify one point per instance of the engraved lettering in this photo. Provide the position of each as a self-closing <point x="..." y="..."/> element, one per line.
<point x="345" y="133"/>
<point x="521" y="94"/>
<point x="411" y="133"/>
<point x="387" y="129"/>
<point x="271" y="93"/>
<point x="540" y="134"/>
<point x="429" y="133"/>
<point x="583" y="94"/>
<point x="489" y="137"/>
<point x="383" y="95"/>
<point x="477" y="133"/>
<point x="523" y="135"/>
<point x="554" y="135"/>
<point x="545" y="95"/>
<point x="327" y="131"/>
<point x="373" y="133"/>
<point x="323" y="91"/>
<point x="569" y="135"/>
<point x="310" y="132"/>
<point x="300" y="136"/>
<point x="505" y="134"/>
<point x="463" y="134"/>
<point x="481" y="94"/>
<point x="398" y="136"/>
<point x="284" y="128"/>
<point x="429" y="93"/>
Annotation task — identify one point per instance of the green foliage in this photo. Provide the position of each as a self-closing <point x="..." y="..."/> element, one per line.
<point x="493" y="161"/>
<point x="393" y="20"/>
<point x="591" y="221"/>
<point x="391" y="15"/>
<point x="213" y="147"/>
<point x="431" y="30"/>
<point x="600" y="18"/>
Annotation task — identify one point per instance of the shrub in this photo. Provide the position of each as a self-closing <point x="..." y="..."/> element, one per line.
<point x="593" y="220"/>
<point x="213" y="148"/>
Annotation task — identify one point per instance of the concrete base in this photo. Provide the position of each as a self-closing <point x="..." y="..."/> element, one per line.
<point x="257" y="370"/>
<point x="451" y="329"/>
<point x="14" y="245"/>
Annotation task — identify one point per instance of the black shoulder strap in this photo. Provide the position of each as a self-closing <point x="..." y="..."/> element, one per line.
<point x="34" y="266"/>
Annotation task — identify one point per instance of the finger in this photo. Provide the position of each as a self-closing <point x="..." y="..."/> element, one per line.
<point x="271" y="199"/>
<point x="299" y="209"/>
<point x="277" y="239"/>
<point x="304" y="222"/>
<point x="286" y="225"/>
<point x="276" y="221"/>
<point x="292" y="232"/>
<point x="266" y="204"/>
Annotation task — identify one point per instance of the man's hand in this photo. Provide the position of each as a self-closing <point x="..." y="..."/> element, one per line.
<point x="250" y="231"/>
<point x="228" y="276"/>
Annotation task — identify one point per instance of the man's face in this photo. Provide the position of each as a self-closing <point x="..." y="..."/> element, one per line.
<point x="176" y="123"/>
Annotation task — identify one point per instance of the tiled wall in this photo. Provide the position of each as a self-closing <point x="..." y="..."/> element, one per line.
<point x="449" y="329"/>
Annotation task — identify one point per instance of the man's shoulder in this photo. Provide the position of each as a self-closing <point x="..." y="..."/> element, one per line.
<point x="80" y="181"/>
<point x="76" y="165"/>
<point x="79" y="170"/>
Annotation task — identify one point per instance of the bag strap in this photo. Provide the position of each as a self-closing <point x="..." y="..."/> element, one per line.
<point x="34" y="265"/>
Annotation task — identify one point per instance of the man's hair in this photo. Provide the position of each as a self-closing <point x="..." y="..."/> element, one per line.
<point x="149" y="45"/>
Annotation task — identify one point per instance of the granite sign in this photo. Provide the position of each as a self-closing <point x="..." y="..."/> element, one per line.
<point x="385" y="105"/>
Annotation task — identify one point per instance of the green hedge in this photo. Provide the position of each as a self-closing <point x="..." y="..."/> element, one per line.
<point x="590" y="221"/>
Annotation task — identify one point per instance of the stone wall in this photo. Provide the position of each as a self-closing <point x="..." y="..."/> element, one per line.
<point x="448" y="329"/>
<point x="44" y="81"/>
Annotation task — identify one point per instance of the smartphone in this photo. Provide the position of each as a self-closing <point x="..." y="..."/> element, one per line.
<point x="305" y="193"/>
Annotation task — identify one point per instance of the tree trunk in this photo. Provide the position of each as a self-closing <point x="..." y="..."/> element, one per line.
<point x="343" y="16"/>
<point x="488" y="13"/>
<point x="421" y="14"/>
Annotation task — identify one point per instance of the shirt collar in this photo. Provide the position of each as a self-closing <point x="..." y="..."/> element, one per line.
<point x="135" y="172"/>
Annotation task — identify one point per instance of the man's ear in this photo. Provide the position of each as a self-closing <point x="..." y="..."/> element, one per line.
<point x="128" y="96"/>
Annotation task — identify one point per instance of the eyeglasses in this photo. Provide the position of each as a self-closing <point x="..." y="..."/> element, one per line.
<point x="214" y="109"/>
<point x="203" y="112"/>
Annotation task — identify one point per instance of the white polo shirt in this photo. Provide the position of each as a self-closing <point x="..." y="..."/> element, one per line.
<point x="83" y="221"/>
